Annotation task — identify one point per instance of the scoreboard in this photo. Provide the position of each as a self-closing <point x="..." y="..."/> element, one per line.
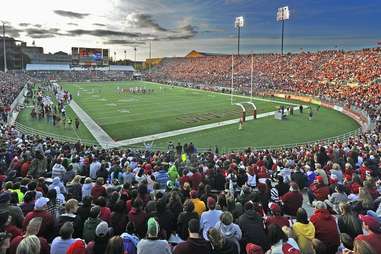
<point x="90" y="56"/>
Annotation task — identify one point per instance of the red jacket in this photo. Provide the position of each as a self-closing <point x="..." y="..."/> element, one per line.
<point x="278" y="220"/>
<point x="373" y="240"/>
<point x="292" y="201"/>
<point x="196" y="179"/>
<point x="321" y="192"/>
<point x="97" y="191"/>
<point x="105" y="214"/>
<point x="325" y="228"/>
<point x="47" y="225"/>
<point x="12" y="229"/>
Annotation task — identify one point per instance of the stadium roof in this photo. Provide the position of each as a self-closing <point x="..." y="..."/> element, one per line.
<point x="195" y="53"/>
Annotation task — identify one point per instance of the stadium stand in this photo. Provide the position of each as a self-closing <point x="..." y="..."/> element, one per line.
<point x="241" y="202"/>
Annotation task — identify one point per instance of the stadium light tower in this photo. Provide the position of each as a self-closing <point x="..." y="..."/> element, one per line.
<point x="282" y="15"/>
<point x="5" y="51"/>
<point x="135" y="54"/>
<point x="239" y="23"/>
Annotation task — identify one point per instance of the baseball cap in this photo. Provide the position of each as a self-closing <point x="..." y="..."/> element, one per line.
<point x="374" y="215"/>
<point x="274" y="207"/>
<point x="193" y="194"/>
<point x="102" y="229"/>
<point x="152" y="227"/>
<point x="371" y="222"/>
<point x="251" y="248"/>
<point x="41" y="202"/>
<point x="4" y="197"/>
<point x="211" y="202"/>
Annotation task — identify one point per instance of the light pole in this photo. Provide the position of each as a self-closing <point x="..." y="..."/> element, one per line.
<point x="125" y="56"/>
<point x="135" y="54"/>
<point x="282" y="15"/>
<point x="239" y="23"/>
<point x="114" y="57"/>
<point x="150" y="56"/>
<point x="5" y="52"/>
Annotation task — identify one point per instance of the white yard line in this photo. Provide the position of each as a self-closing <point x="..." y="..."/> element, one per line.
<point x="167" y="134"/>
<point x="99" y="134"/>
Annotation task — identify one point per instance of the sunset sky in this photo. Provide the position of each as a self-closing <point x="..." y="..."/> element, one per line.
<point x="176" y="27"/>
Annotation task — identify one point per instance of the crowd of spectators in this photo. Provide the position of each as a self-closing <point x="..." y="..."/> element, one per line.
<point x="81" y="76"/>
<point x="71" y="198"/>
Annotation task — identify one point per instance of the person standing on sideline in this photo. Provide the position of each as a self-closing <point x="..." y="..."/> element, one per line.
<point x="310" y="114"/>
<point x="76" y="123"/>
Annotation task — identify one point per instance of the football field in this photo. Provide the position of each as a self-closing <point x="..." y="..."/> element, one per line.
<point x="125" y="115"/>
<point x="164" y="113"/>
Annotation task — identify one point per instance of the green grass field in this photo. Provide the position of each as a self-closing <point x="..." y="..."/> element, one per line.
<point x="125" y="116"/>
<point x="268" y="131"/>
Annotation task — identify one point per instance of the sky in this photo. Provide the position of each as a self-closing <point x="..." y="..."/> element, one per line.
<point x="175" y="27"/>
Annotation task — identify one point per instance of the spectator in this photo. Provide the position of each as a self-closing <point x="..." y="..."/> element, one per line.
<point x="194" y="244"/>
<point x="98" y="189"/>
<point x="325" y="227"/>
<point x="61" y="243"/>
<point x="29" y="245"/>
<point x="373" y="238"/>
<point x="228" y="229"/>
<point x="279" y="241"/>
<point x="276" y="217"/>
<point x="14" y="211"/>
<point x="348" y="222"/>
<point x="138" y="218"/>
<point x="292" y="200"/>
<point x="252" y="227"/>
<point x="87" y="187"/>
<point x="41" y="210"/>
<point x="77" y="247"/>
<point x="4" y="242"/>
<point x="220" y="244"/>
<point x="152" y="244"/>
<point x="58" y="169"/>
<point x="199" y="205"/>
<point x="304" y="231"/>
<point x="184" y="218"/>
<point x="91" y="224"/>
<point x="209" y="218"/>
<point x="102" y="236"/>
<point x="115" y="246"/>
<point x="33" y="228"/>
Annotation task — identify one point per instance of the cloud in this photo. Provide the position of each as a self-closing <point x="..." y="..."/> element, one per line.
<point x="123" y="42"/>
<point x="72" y="24"/>
<point x="37" y="25"/>
<point x="104" y="33"/>
<point x="137" y="20"/>
<point x="99" y="24"/>
<point x="71" y="14"/>
<point x="12" y="31"/>
<point x="42" y="33"/>
<point x="24" y="24"/>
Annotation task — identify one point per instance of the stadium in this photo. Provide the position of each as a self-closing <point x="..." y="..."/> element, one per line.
<point x="276" y="151"/>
